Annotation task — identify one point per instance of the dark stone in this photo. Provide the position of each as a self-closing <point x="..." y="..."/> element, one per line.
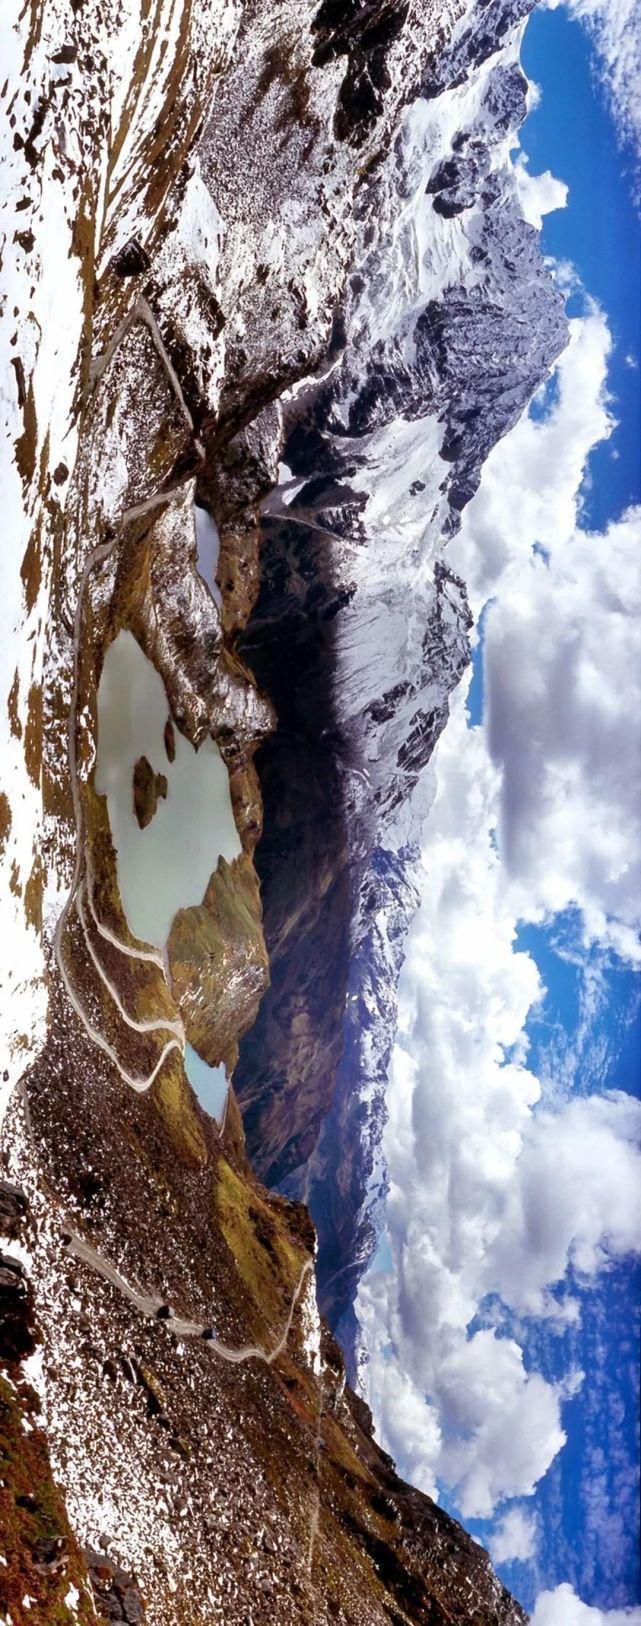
<point x="17" y="1323"/>
<point x="14" y="1208"/>
<point x="450" y="204"/>
<point x="131" y="260"/>
<point x="189" y="461"/>
<point x="363" y="31"/>
<point x="116" y="1592"/>
<point x="94" y="1560"/>
<point x="474" y="43"/>
<point x="109" y="1605"/>
<point x="47" y="1550"/>
<point x="133" y="1608"/>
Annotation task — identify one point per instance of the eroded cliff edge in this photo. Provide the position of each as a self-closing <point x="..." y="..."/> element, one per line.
<point x="204" y="200"/>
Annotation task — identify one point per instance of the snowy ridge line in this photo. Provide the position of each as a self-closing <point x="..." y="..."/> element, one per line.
<point x="439" y="294"/>
<point x="160" y="30"/>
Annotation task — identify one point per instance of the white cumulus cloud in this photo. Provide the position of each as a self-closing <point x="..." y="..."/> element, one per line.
<point x="577" y="1198"/>
<point x="563" y="656"/>
<point x="562" y="1608"/>
<point x="539" y="195"/>
<point x="563" y="672"/>
<point x="514" y="1538"/>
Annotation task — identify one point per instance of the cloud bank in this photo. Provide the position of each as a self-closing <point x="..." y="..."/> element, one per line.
<point x="539" y="195"/>
<point x="500" y="1203"/>
<point x="491" y="1202"/>
<point x="563" y="674"/>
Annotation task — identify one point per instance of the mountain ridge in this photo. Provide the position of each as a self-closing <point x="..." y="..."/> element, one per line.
<point x="473" y="334"/>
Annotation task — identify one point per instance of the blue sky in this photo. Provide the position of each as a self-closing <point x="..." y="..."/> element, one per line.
<point x="572" y="133"/>
<point x="586" y="1035"/>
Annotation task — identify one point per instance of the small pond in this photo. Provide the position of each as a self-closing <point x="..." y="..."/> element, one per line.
<point x="208" y="545"/>
<point x="209" y="1083"/>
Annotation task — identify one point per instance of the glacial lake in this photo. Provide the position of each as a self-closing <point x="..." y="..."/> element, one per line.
<point x="166" y="866"/>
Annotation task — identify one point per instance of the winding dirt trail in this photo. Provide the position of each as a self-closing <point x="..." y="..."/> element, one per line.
<point x="98" y="556"/>
<point x="147" y="1304"/>
<point x="152" y="1024"/>
<point x="149" y="1307"/>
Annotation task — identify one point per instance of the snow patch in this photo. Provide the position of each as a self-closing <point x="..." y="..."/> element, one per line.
<point x="311" y="1327"/>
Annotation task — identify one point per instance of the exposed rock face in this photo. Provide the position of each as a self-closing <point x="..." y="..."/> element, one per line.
<point x="230" y="205"/>
<point x="474" y="42"/>
<point x="13" y="1208"/>
<point x="217" y="962"/>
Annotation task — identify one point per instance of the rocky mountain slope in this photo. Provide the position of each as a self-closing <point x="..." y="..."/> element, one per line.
<point x="228" y="293"/>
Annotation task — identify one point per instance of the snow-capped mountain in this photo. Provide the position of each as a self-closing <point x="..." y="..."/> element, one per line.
<point x="442" y="337"/>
